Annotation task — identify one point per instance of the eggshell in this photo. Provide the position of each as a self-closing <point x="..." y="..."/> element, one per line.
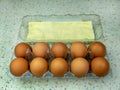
<point x="21" y="49"/>
<point x="78" y="49"/>
<point x="59" y="50"/>
<point x="59" y="67"/>
<point x="98" y="49"/>
<point x="100" y="66"/>
<point x="41" y="49"/>
<point x="79" y="67"/>
<point x="38" y="66"/>
<point x="18" y="66"/>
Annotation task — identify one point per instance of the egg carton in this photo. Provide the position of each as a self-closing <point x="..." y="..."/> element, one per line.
<point x="97" y="27"/>
<point x="68" y="58"/>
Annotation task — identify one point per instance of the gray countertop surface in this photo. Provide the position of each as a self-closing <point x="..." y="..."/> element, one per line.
<point x="11" y="13"/>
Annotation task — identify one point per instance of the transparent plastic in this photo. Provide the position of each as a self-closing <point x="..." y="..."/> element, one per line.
<point x="62" y="18"/>
<point x="82" y="17"/>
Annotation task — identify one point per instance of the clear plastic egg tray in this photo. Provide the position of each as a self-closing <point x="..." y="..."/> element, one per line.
<point x="97" y="27"/>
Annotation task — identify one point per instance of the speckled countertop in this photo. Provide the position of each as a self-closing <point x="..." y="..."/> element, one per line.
<point x="11" y="13"/>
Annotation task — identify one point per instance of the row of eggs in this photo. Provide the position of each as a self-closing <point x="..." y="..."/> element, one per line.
<point x="59" y="49"/>
<point x="59" y="66"/>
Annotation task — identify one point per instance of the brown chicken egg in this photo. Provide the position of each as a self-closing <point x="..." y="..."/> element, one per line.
<point x="18" y="66"/>
<point x="79" y="67"/>
<point x="100" y="66"/>
<point x="41" y="49"/>
<point x="59" y="50"/>
<point x="78" y="49"/>
<point x="21" y="49"/>
<point x="59" y="67"/>
<point x="38" y="66"/>
<point x="97" y="49"/>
